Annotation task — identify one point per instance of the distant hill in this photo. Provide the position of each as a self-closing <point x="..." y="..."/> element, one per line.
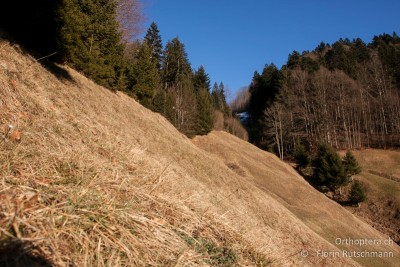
<point x="90" y="177"/>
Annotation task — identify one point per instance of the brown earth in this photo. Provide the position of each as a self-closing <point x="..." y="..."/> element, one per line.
<point x="95" y="179"/>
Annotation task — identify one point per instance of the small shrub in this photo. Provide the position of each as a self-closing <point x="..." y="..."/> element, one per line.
<point x="328" y="168"/>
<point x="357" y="192"/>
<point x="351" y="165"/>
<point x="301" y="156"/>
<point x="218" y="256"/>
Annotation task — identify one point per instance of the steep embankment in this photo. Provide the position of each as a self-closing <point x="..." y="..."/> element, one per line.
<point x="96" y="179"/>
<point x="381" y="178"/>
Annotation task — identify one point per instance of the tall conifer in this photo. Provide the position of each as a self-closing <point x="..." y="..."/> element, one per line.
<point x="145" y="76"/>
<point x="154" y="41"/>
<point x="89" y="39"/>
<point x="205" y="112"/>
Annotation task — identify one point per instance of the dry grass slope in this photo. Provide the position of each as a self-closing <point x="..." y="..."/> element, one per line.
<point x="381" y="177"/>
<point x="95" y="179"/>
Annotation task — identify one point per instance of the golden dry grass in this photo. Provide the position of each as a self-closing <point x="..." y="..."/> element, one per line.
<point x="277" y="179"/>
<point x="381" y="177"/>
<point x="385" y="163"/>
<point x="98" y="180"/>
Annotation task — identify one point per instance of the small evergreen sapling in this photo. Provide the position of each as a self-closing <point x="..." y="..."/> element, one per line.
<point x="351" y="165"/>
<point x="328" y="168"/>
<point x="357" y="192"/>
<point x="301" y="156"/>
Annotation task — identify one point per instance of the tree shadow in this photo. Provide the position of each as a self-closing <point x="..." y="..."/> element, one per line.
<point x="348" y="203"/>
<point x="47" y="61"/>
<point x="59" y="72"/>
<point x="308" y="177"/>
<point x="17" y="253"/>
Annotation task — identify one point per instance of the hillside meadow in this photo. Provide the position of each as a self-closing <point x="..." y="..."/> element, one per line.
<point x="96" y="179"/>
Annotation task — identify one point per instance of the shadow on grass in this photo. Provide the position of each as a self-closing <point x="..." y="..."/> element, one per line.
<point x="57" y="71"/>
<point x="348" y="203"/>
<point x="17" y="253"/>
<point x="308" y="178"/>
<point x="47" y="61"/>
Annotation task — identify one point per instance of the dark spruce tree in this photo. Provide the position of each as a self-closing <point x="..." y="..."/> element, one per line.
<point x="301" y="157"/>
<point x="176" y="66"/>
<point x="89" y="40"/>
<point x="338" y="58"/>
<point x="328" y="168"/>
<point x="263" y="90"/>
<point x="357" y="192"/>
<point x="293" y="60"/>
<point x="177" y="81"/>
<point x="359" y="51"/>
<point x="146" y="79"/>
<point x="201" y="79"/>
<point x="350" y="164"/>
<point x="154" y="41"/>
<point x="219" y="99"/>
<point x="205" y="111"/>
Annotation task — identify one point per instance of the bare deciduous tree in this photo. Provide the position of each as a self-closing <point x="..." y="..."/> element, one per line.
<point x="129" y="15"/>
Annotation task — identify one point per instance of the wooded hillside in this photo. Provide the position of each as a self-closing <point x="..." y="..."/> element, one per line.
<point x="346" y="94"/>
<point x="97" y="38"/>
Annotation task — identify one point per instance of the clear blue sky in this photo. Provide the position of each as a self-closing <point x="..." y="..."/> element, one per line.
<point x="232" y="39"/>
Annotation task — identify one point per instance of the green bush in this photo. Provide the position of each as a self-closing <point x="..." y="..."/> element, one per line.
<point x="350" y="164"/>
<point x="328" y="168"/>
<point x="357" y="192"/>
<point x="301" y="156"/>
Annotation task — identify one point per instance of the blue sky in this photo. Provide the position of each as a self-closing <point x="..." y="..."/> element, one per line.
<point x="232" y="39"/>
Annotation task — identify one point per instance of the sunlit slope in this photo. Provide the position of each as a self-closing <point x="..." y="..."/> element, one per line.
<point x="277" y="179"/>
<point x="96" y="179"/>
<point x="381" y="176"/>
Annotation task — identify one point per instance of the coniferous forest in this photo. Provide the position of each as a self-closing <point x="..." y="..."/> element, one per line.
<point x="99" y="39"/>
<point x="346" y="94"/>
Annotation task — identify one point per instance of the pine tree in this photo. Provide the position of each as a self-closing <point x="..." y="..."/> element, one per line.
<point x="89" y="39"/>
<point x="215" y="96"/>
<point x="164" y="103"/>
<point x="145" y="76"/>
<point x="357" y="192"/>
<point x="350" y="164"/>
<point x="338" y="58"/>
<point x="328" y="168"/>
<point x="205" y="111"/>
<point x="153" y="39"/>
<point x="176" y="66"/>
<point x="263" y="90"/>
<point x="293" y="60"/>
<point x="201" y="79"/>
<point x="359" y="51"/>
<point x="321" y="48"/>
<point x="219" y="99"/>
<point x="301" y="156"/>
<point x="177" y="80"/>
